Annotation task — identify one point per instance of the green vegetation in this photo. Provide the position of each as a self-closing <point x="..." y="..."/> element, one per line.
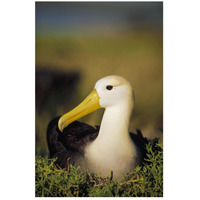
<point x="145" y="181"/>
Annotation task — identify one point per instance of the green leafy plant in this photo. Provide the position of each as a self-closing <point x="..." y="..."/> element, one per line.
<point x="144" y="181"/>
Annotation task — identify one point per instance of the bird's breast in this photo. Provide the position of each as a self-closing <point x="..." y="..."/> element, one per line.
<point x="103" y="158"/>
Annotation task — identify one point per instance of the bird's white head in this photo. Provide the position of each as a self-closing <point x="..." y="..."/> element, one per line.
<point x="114" y="90"/>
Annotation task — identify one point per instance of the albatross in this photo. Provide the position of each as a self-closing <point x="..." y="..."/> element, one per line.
<point x="110" y="147"/>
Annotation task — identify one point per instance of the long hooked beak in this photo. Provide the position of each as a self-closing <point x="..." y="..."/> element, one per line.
<point x="88" y="105"/>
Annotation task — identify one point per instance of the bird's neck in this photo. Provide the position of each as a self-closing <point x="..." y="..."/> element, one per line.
<point x="113" y="149"/>
<point x="115" y="123"/>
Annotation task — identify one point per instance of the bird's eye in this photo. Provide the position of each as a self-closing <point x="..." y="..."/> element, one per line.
<point x="109" y="87"/>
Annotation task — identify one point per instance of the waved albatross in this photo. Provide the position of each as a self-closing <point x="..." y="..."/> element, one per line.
<point x="110" y="147"/>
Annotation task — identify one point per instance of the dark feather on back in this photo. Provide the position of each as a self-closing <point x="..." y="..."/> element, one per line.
<point x="70" y="142"/>
<point x="140" y="142"/>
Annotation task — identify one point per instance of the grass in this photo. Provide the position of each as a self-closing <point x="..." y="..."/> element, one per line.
<point x="144" y="181"/>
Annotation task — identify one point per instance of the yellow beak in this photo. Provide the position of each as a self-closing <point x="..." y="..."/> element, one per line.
<point x="88" y="105"/>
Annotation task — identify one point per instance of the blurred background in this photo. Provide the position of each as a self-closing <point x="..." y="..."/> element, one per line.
<point x="78" y="43"/>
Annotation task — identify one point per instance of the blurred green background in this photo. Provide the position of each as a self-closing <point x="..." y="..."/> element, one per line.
<point x="79" y="43"/>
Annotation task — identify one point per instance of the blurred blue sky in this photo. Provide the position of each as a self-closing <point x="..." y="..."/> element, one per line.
<point x="84" y="17"/>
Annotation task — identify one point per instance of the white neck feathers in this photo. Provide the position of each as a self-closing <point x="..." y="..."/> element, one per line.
<point x="115" y="124"/>
<point x="113" y="149"/>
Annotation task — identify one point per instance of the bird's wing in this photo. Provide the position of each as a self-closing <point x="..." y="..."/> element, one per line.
<point x="71" y="141"/>
<point x="140" y="142"/>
